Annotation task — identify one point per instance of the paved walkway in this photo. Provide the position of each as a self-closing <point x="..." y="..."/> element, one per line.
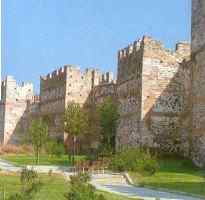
<point x="141" y="193"/>
<point x="7" y="166"/>
<point x="107" y="182"/>
<point x="113" y="184"/>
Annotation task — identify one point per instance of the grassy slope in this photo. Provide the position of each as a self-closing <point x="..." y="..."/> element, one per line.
<point x="53" y="188"/>
<point x="175" y="174"/>
<point x="26" y="159"/>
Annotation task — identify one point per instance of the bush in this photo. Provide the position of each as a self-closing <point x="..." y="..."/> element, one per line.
<point x="81" y="189"/>
<point x="84" y="177"/>
<point x="54" y="147"/>
<point x="30" y="186"/>
<point x="135" y="160"/>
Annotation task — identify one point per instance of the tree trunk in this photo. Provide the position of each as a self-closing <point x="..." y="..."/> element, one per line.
<point x="69" y="157"/>
<point x="74" y="142"/>
<point x="37" y="157"/>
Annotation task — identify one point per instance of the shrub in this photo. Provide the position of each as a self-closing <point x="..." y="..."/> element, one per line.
<point x="30" y="186"/>
<point x="135" y="160"/>
<point x="147" y="164"/>
<point x="82" y="190"/>
<point x="84" y="177"/>
<point x="54" y="147"/>
<point x="59" y="149"/>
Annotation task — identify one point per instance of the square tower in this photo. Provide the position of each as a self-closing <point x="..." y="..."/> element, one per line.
<point x="198" y="84"/>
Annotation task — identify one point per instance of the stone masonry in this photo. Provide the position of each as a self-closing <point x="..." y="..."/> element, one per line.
<point x="153" y="87"/>
<point x="13" y="109"/>
<point x="160" y="95"/>
<point x="69" y="84"/>
<point x="198" y="73"/>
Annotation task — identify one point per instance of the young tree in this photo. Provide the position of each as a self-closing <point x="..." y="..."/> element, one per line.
<point x="30" y="186"/>
<point x="108" y="114"/>
<point x="75" y="123"/>
<point x="38" y="134"/>
<point x="81" y="189"/>
<point x="92" y="136"/>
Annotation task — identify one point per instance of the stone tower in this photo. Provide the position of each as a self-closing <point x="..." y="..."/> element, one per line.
<point x="13" y="109"/>
<point x="198" y="84"/>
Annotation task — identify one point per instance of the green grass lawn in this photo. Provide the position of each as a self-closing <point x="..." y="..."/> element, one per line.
<point x="109" y="196"/>
<point x="175" y="174"/>
<point x="53" y="188"/>
<point x="29" y="159"/>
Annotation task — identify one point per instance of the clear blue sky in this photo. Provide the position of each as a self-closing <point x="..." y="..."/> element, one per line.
<point x="41" y="35"/>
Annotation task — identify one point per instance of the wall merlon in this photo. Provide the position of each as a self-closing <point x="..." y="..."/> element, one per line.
<point x="130" y="49"/>
<point x="3" y="83"/>
<point x="107" y="78"/>
<point x="49" y="76"/>
<point x="61" y="70"/>
<point x="54" y="74"/>
<point x="137" y="44"/>
<point x="183" y="48"/>
<point x="26" y="84"/>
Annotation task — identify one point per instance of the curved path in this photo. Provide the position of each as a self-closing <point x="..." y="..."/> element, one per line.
<point x="141" y="193"/>
<point x="107" y="182"/>
<point x="117" y="184"/>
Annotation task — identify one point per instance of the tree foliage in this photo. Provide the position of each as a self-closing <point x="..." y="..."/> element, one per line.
<point x="108" y="116"/>
<point x="30" y="186"/>
<point x="91" y="138"/>
<point x="75" y="119"/>
<point x="54" y="147"/>
<point x="135" y="160"/>
<point x="75" y="122"/>
<point x="38" y="134"/>
<point x="81" y="190"/>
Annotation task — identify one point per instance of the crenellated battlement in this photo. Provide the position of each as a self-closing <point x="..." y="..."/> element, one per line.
<point x="130" y="49"/>
<point x="183" y="48"/>
<point x="131" y="58"/>
<point x="155" y="49"/>
<point x="11" y="89"/>
<point x="55" y="74"/>
<point x="73" y="72"/>
<point x="107" y="78"/>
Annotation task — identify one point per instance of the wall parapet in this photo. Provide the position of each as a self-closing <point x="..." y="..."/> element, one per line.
<point x="129" y="50"/>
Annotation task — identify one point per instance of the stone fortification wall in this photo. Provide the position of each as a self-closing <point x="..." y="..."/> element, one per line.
<point x="14" y="109"/>
<point x="129" y="94"/>
<point x="69" y="84"/>
<point x="198" y="73"/>
<point x="163" y="99"/>
<point x="151" y="88"/>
